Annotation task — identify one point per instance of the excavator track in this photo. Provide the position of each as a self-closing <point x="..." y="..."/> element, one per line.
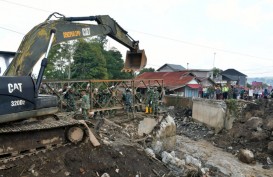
<point x="30" y="138"/>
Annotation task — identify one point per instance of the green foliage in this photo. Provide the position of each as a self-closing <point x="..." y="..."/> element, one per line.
<point x="58" y="59"/>
<point x="85" y="59"/>
<point x="146" y="70"/>
<point x="216" y="72"/>
<point x="89" y="61"/>
<point x="232" y="106"/>
<point x="115" y="64"/>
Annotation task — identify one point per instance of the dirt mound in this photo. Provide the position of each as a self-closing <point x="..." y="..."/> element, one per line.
<point x="118" y="156"/>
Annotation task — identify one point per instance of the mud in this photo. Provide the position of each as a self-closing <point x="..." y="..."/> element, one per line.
<point x="122" y="151"/>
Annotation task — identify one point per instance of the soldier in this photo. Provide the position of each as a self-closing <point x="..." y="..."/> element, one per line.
<point x="155" y="99"/>
<point x="85" y="104"/>
<point x="100" y="119"/>
<point x="70" y="100"/>
<point x="128" y="101"/>
<point x="149" y="100"/>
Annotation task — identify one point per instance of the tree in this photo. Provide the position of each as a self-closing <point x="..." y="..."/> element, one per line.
<point x="115" y="64"/>
<point x="89" y="61"/>
<point x="57" y="63"/>
<point x="216" y="72"/>
<point x="146" y="70"/>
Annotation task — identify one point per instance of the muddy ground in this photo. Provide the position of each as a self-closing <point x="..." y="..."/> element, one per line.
<point x="122" y="154"/>
<point x="117" y="156"/>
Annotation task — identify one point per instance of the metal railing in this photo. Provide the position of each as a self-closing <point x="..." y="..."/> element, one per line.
<point x="105" y="95"/>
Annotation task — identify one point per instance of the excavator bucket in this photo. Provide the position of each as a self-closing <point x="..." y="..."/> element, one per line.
<point x="135" y="61"/>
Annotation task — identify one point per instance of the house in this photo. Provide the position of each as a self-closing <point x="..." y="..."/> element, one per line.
<point x="170" y="68"/>
<point x="233" y="77"/>
<point x="206" y="81"/>
<point x="181" y="83"/>
<point x="202" y="73"/>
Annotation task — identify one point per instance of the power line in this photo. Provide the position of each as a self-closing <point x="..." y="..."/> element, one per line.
<point x="257" y="68"/>
<point x="11" y="30"/>
<point x="18" y="4"/>
<point x="203" y="46"/>
<point x="158" y="36"/>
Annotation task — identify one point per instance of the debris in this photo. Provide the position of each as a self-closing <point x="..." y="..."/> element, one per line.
<point x="82" y="171"/>
<point x="193" y="161"/>
<point x="66" y="173"/>
<point x="150" y="152"/>
<point x="92" y="138"/>
<point x="105" y="175"/>
<point x="246" y="156"/>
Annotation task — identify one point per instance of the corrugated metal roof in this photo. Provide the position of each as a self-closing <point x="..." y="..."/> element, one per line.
<point x="194" y="86"/>
<point x="232" y="72"/>
<point x="171" y="79"/>
<point x="173" y="66"/>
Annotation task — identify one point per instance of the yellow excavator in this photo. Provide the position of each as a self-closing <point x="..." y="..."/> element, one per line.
<point x="20" y="100"/>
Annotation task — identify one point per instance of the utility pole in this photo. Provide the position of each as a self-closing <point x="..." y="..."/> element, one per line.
<point x="214" y="59"/>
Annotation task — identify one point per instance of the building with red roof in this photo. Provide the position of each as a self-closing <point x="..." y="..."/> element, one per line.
<point x="182" y="83"/>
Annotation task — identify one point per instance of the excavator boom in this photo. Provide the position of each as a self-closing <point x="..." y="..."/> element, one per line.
<point x="34" y="44"/>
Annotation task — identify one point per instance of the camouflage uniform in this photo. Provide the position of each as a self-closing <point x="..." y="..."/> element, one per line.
<point x="128" y="100"/>
<point x="155" y="99"/>
<point x="85" y="105"/>
<point x="98" y="98"/>
<point x="149" y="100"/>
<point x="70" y="100"/>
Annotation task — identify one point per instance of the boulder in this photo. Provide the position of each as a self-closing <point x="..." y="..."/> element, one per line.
<point x="246" y="156"/>
<point x="254" y="122"/>
<point x="258" y="136"/>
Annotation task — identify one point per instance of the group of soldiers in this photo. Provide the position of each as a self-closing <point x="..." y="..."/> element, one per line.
<point x="103" y="97"/>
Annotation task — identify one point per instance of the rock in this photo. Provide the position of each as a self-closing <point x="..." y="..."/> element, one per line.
<point x="204" y="170"/>
<point x="167" y="158"/>
<point x="258" y="136"/>
<point x="193" y="161"/>
<point x="66" y="173"/>
<point x="105" y="175"/>
<point x="269" y="161"/>
<point x="167" y="133"/>
<point x="157" y="147"/>
<point x="150" y="152"/>
<point x="246" y="156"/>
<point x="270" y="146"/>
<point x="82" y="171"/>
<point x="254" y="122"/>
<point x="146" y="126"/>
<point x="230" y="148"/>
<point x="269" y="124"/>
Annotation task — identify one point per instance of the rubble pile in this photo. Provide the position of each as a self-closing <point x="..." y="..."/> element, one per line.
<point x="252" y="132"/>
<point x="170" y="145"/>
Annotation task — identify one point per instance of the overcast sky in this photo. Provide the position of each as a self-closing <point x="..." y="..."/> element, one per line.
<point x="203" y="33"/>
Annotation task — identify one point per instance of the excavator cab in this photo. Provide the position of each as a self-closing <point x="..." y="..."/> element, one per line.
<point x="135" y="61"/>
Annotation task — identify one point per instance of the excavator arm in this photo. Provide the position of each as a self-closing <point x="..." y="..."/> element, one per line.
<point x="36" y="42"/>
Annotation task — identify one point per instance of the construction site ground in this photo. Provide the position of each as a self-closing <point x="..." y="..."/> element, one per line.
<point x="122" y="151"/>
